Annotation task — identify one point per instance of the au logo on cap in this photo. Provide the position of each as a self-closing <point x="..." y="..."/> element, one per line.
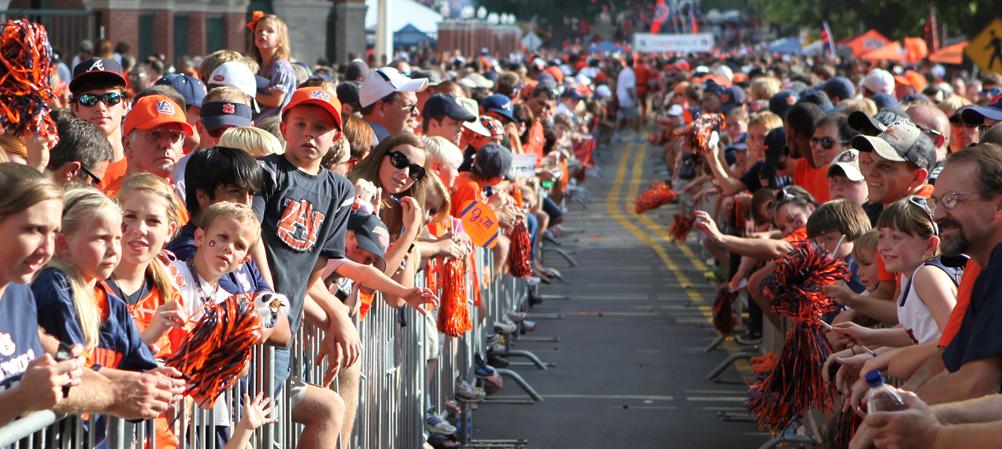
<point x="320" y="95"/>
<point x="165" y="107"/>
<point x="229" y="109"/>
<point x="219" y="78"/>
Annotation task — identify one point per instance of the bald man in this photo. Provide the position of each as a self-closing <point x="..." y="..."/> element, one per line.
<point x="935" y="124"/>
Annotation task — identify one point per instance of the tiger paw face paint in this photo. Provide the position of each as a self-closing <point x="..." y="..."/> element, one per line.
<point x="212" y="243"/>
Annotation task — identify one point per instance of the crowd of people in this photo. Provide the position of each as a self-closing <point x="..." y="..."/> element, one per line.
<point x="248" y="176"/>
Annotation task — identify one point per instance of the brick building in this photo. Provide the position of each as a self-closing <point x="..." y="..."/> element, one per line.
<point x="317" y="28"/>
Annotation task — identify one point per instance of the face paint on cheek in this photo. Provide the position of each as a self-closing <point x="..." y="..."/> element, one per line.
<point x="212" y="243"/>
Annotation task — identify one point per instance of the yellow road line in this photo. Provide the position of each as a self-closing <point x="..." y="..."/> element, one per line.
<point x="616" y="210"/>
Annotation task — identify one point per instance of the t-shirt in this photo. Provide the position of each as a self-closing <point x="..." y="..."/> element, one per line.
<point x="813" y="180"/>
<point x="246" y="279"/>
<point x="19" y="343"/>
<point x="627" y="79"/>
<point x="752" y="178"/>
<point x="303" y="217"/>
<point x="465" y="189"/>
<point x="971" y="272"/>
<point x="119" y="345"/>
<point x="536" y="140"/>
<point x="873" y="211"/>
<point x="643" y="77"/>
<point x="114" y="171"/>
<point x="979" y="336"/>
<point x="144" y="311"/>
<point x="280" y="75"/>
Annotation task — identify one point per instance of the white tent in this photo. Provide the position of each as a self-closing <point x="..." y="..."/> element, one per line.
<point x="403" y="12"/>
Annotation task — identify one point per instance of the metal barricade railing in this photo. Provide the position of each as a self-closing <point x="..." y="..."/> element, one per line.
<point x="395" y="391"/>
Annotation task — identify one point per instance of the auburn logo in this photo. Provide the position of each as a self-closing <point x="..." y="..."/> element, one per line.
<point x="299" y="225"/>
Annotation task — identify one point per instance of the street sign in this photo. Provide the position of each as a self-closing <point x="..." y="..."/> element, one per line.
<point x="986" y="49"/>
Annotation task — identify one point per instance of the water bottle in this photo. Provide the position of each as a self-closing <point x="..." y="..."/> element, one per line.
<point x="882" y="398"/>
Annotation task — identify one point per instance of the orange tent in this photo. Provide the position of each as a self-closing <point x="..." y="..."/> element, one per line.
<point x="915" y="49"/>
<point x="889" y="52"/>
<point x="865" y="42"/>
<point x="952" y="54"/>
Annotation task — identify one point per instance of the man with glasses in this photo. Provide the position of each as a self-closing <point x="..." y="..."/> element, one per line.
<point x="99" y="96"/>
<point x="388" y="100"/>
<point x="82" y="154"/>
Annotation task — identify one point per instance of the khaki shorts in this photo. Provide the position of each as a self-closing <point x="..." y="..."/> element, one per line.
<point x="297" y="391"/>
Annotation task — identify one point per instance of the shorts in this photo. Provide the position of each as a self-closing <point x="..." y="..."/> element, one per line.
<point x="297" y="391"/>
<point x="628" y="112"/>
<point x="432" y="348"/>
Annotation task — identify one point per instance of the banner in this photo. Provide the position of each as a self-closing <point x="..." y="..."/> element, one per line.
<point x="676" y="43"/>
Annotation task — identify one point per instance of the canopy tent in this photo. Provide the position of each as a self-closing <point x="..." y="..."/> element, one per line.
<point x="789" y="45"/>
<point x="890" y="52"/>
<point x="915" y="49"/>
<point x="605" y="47"/>
<point x="951" y="54"/>
<point x="861" y="44"/>
<point x="403" y="13"/>
<point x="410" y="36"/>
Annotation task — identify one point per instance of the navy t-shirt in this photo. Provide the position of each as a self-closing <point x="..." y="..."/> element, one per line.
<point x="19" y="343"/>
<point x="303" y="217"/>
<point x="119" y="346"/>
<point x="246" y="279"/>
<point x="979" y="336"/>
<point x="752" y="178"/>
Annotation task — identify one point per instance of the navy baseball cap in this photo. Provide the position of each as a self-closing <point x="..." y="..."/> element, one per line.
<point x="371" y="235"/>
<point x="445" y="105"/>
<point x="976" y="115"/>
<point x="500" y="104"/>
<point x="347" y="93"/>
<point x="95" y="68"/>
<point x="572" y="93"/>
<point x="188" y="86"/>
<point x="731" y="98"/>
<point x="218" y="114"/>
<point x="884" y="101"/>
<point x="838" y="87"/>
<point x="491" y="161"/>
<point x="780" y="103"/>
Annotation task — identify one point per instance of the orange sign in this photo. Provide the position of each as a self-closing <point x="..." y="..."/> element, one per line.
<point x="986" y="48"/>
<point x="480" y="223"/>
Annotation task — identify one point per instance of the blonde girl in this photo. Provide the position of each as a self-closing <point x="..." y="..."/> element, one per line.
<point x="273" y="54"/>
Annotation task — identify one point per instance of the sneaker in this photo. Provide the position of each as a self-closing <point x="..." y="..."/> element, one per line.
<point x="492" y="339"/>
<point x="503" y="327"/>
<point x="516" y="317"/>
<point x="468" y="393"/>
<point x="437" y="424"/>
<point x="497" y="361"/>
<point x="527" y="326"/>
<point x="533" y="280"/>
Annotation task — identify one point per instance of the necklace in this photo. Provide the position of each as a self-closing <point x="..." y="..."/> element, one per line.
<point x="205" y="297"/>
<point x="130" y="299"/>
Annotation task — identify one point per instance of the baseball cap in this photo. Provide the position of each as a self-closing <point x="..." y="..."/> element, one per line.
<point x="218" y="114"/>
<point x="780" y="103"/>
<point x="347" y="93"/>
<point x="445" y="105"/>
<point x="712" y="87"/>
<point x="384" y="81"/>
<point x="976" y="115"/>
<point x="475" y="81"/>
<point x="872" y="126"/>
<point x="356" y="70"/>
<point x="95" y="68"/>
<point x="152" y="111"/>
<point x="572" y="93"/>
<point x="370" y="233"/>
<point x="236" y="74"/>
<point x="731" y="98"/>
<point x="188" y="86"/>
<point x="675" y="110"/>
<point x="317" y="96"/>
<point x="838" y="87"/>
<point x="491" y="161"/>
<point x="818" y="97"/>
<point x="884" y="101"/>
<point x="848" y="162"/>
<point x="500" y="104"/>
<point x="879" y="81"/>
<point x="470" y="105"/>
<point x="900" y="141"/>
<point x="775" y="151"/>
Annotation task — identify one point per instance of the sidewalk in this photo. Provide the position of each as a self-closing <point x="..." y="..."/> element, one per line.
<point x="629" y="368"/>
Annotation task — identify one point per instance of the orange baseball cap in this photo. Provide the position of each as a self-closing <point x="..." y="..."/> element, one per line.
<point x="155" y="110"/>
<point x="317" y="96"/>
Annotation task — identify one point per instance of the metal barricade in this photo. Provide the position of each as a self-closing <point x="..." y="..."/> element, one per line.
<point x="395" y="391"/>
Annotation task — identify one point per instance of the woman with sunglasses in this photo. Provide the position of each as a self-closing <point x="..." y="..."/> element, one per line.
<point x="396" y="167"/>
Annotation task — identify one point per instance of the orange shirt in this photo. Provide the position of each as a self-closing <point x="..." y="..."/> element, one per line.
<point x="116" y="170"/>
<point x="534" y="144"/>
<point x="813" y="180"/>
<point x="145" y="310"/>
<point x="643" y="76"/>
<point x="971" y="272"/>
<point x="465" y="190"/>
<point x="796" y="236"/>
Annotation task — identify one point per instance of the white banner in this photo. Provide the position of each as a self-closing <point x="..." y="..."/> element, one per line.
<point x="677" y="43"/>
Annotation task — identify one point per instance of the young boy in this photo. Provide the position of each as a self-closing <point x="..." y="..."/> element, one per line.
<point x="304" y="211"/>
<point x="99" y="89"/>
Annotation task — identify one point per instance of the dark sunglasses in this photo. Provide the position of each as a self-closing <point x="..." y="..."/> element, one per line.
<point x="399" y="161"/>
<point x="827" y="142"/>
<point x="90" y="100"/>
<point x="923" y="204"/>
<point x="94" y="180"/>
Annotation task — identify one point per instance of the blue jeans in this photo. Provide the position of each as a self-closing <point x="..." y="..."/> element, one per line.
<point x="532" y="223"/>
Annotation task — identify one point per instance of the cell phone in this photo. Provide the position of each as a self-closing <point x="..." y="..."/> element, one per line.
<point x="64" y="353"/>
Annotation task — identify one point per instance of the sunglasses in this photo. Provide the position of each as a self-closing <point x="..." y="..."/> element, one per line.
<point x="826" y="142"/>
<point x="923" y="204"/>
<point x="90" y="100"/>
<point x="94" y="180"/>
<point x="399" y="161"/>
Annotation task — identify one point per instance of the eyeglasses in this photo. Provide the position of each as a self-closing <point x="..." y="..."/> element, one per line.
<point x="923" y="203"/>
<point x="90" y="100"/>
<point x="94" y="180"/>
<point x="399" y="161"/>
<point x="826" y="142"/>
<point x="411" y="108"/>
<point x="949" y="200"/>
<point x="786" y="193"/>
<point x="158" y="134"/>
<point x="932" y="133"/>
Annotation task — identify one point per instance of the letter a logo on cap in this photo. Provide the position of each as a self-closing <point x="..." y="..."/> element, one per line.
<point x="229" y="109"/>
<point x="97" y="65"/>
<point x="321" y="95"/>
<point x="165" y="107"/>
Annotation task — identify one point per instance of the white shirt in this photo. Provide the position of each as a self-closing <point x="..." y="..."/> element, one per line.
<point x="913" y="314"/>
<point x="625" y="81"/>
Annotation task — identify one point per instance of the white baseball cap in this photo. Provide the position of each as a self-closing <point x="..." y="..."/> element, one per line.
<point x="675" y="110"/>
<point x="879" y="81"/>
<point x="236" y="74"/>
<point x="848" y="162"/>
<point x="472" y="107"/>
<point x="384" y="81"/>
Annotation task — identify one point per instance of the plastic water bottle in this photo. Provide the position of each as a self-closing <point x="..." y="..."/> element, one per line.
<point x="882" y="398"/>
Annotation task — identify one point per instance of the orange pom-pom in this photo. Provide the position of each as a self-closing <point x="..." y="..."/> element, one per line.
<point x="657" y="195"/>
<point x="453" y="313"/>
<point x="519" y="258"/>
<point x="681" y="227"/>
<point x="25" y="88"/>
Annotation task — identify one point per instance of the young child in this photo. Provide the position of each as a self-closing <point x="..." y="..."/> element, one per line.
<point x="272" y="52"/>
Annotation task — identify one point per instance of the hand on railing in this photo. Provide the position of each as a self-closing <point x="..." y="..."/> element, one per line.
<point x="42" y="384"/>
<point x="341" y="346"/>
<point x="146" y="395"/>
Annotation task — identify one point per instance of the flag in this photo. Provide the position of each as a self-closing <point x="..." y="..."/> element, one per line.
<point x="662" y="13"/>
<point x="930" y="29"/>
<point x="827" y="38"/>
<point x="692" y="19"/>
